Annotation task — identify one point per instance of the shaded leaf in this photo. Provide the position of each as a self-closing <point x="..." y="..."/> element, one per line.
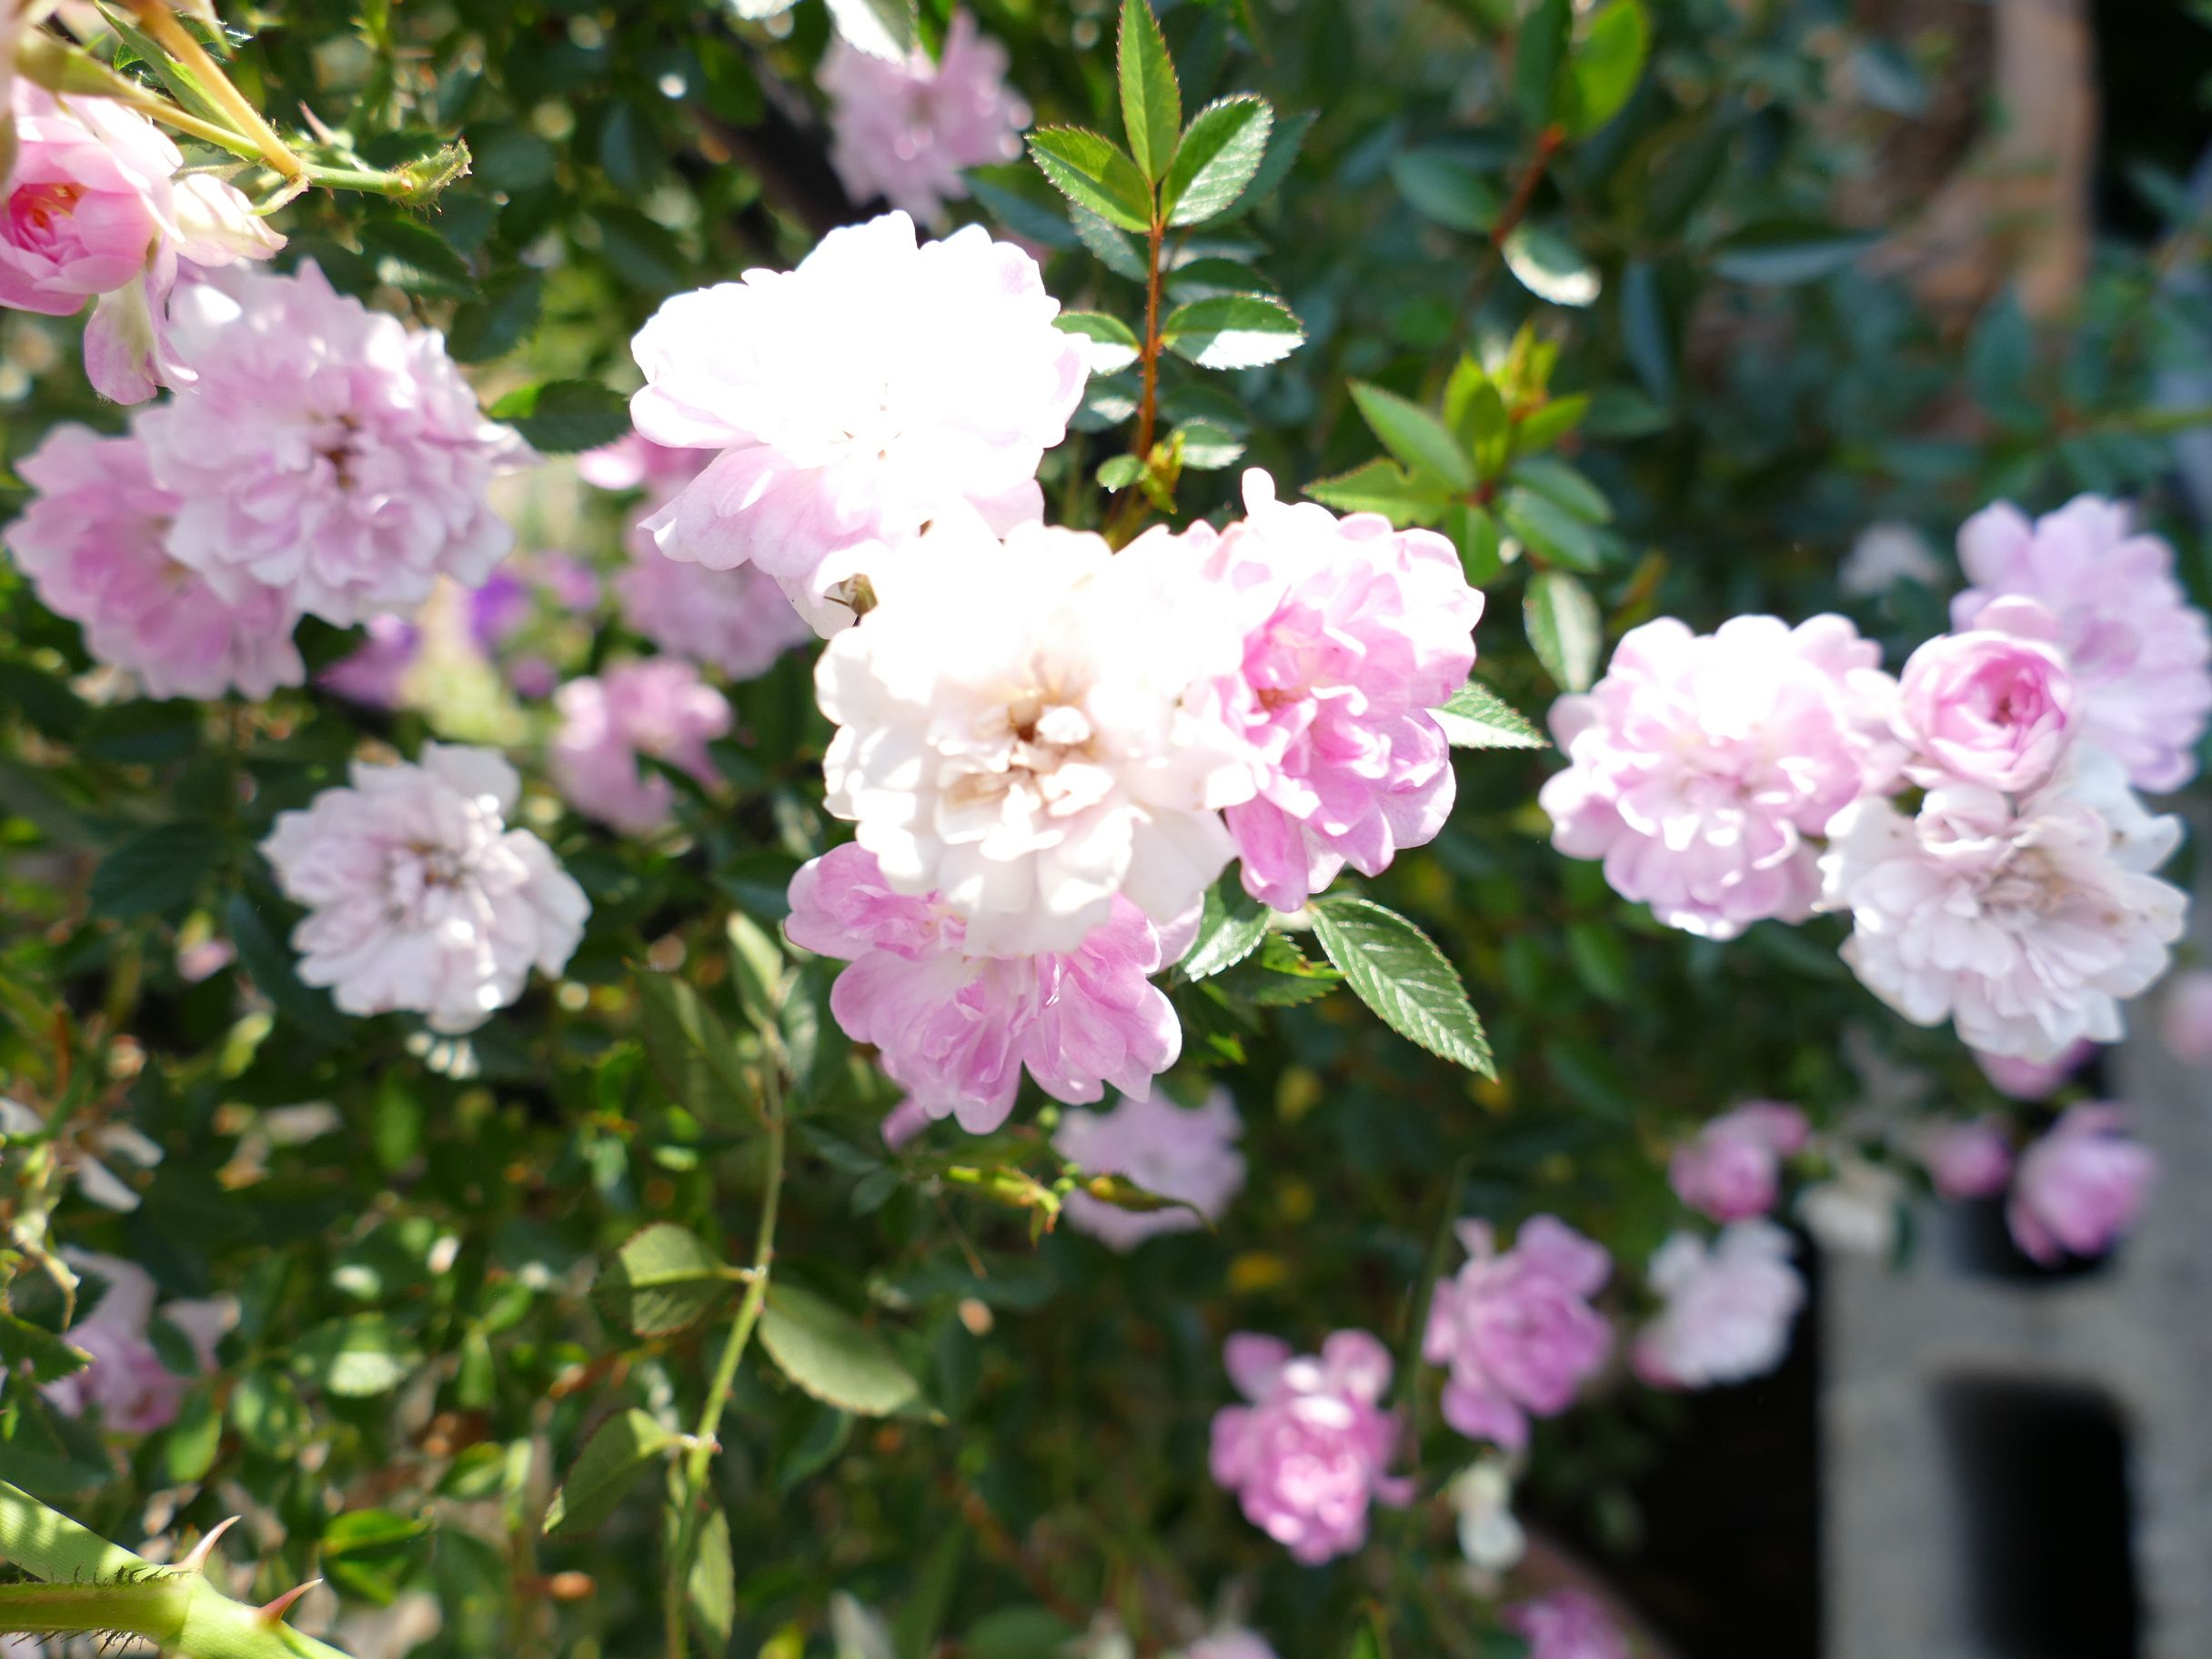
<point x="1230" y="925"/>
<point x="494" y="324"/>
<point x="1107" y="246"/>
<point x="360" y="1356"/>
<point x="1563" y="627"/>
<point x="1282" y="146"/>
<point x="158" y="870"/>
<point x="690" y="1050"/>
<point x="621" y="1450"/>
<point x="1555" y="535"/>
<point x="663" y="1281"/>
<point x="1781" y="252"/>
<point x="1233" y="331"/>
<point x="1445" y="187"/>
<point x="1424" y="443"/>
<point x="1604" y="67"/>
<point x="269" y="965"/>
<point x="831" y="1355"/>
<point x="563" y="416"/>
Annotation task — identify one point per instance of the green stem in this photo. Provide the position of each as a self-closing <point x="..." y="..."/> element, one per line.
<point x="177" y="40"/>
<point x="103" y="1586"/>
<point x="698" y="1461"/>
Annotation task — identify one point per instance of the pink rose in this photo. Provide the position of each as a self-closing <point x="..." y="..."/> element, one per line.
<point x="2080" y="1188"/>
<point x="1971" y="1159"/>
<point x="2032" y="1080"/>
<point x="1732" y="1170"/>
<point x="1994" y="705"/>
<point x="1313" y="1448"/>
<point x="658" y="708"/>
<point x="1517" y="1329"/>
<point x="135" y="1392"/>
<point x="1566" y="1624"/>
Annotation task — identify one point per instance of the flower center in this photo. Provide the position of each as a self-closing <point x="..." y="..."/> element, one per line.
<point x="35" y="207"/>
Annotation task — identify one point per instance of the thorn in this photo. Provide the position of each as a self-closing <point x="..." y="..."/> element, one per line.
<point x="274" y="1611"/>
<point x="196" y="1561"/>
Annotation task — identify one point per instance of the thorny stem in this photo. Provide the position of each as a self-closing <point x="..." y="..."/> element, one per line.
<point x="178" y="41"/>
<point x="1134" y="506"/>
<point x="698" y="1461"/>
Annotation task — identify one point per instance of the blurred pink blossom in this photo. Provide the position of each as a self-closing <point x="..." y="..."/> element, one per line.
<point x="1729" y="1305"/>
<point x="1566" y="1624"/>
<point x="636" y="462"/>
<point x="2080" y="1187"/>
<point x="135" y="1392"/>
<point x="905" y="130"/>
<point x="1314" y="1447"/>
<point x="1353" y="633"/>
<point x="854" y="400"/>
<point x="1169" y="1150"/>
<point x="736" y="621"/>
<point x="1971" y="1158"/>
<point x="1992" y="705"/>
<point x="205" y="959"/>
<point x="94" y="543"/>
<point x="1516" y="1328"/>
<point x="658" y="708"/>
<point x="1702" y="766"/>
<point x="2141" y="655"/>
<point x="373" y="672"/>
<point x="958" y="1031"/>
<point x="2186" y="1026"/>
<point x="2033" y="1079"/>
<point x="1733" y="1168"/>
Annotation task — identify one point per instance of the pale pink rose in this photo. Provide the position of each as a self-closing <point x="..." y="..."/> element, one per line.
<point x="1733" y="1168"/>
<point x="418" y="895"/>
<point x="1702" y="767"/>
<point x="135" y="1392"/>
<point x="2024" y="926"/>
<point x="1353" y="633"/>
<point x="2141" y="655"/>
<point x="904" y="131"/>
<point x="1968" y="1159"/>
<point x="852" y="401"/>
<point x="638" y="463"/>
<point x="1566" y="1624"/>
<point x="1994" y="705"/>
<point x="657" y="708"/>
<point x="1169" y="1150"/>
<point x="93" y="210"/>
<point x="2081" y="1187"/>
<point x="1729" y="1306"/>
<point x="734" y="621"/>
<point x="1517" y="1329"/>
<point x="902" y="1122"/>
<point x="2186" y="1025"/>
<point x="957" y="1030"/>
<point x="1315" y="1446"/>
<point x="324" y="450"/>
<point x="1015" y="733"/>
<point x="94" y="542"/>
<point x="2033" y="1079"/>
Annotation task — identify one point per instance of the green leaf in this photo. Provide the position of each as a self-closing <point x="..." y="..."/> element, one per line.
<point x="1538" y="51"/>
<point x="1648" y="333"/>
<point x="1230" y="925"/>
<point x="1233" y="331"/>
<point x="368" y="1552"/>
<point x="47" y="1357"/>
<point x="1604" y="67"/>
<point x="563" y="416"/>
<point x="1091" y="172"/>
<point x="1416" y="437"/>
<point x="1218" y="157"/>
<point x="193" y="1439"/>
<point x="1205" y="446"/>
<point x="412" y="257"/>
<point x="1210" y="277"/>
<point x="1152" y="104"/>
<point x="1107" y="246"/>
<point x="711" y="1592"/>
<point x="1476" y="717"/>
<point x="1445" y="187"/>
<point x="831" y="1355"/>
<point x="158" y="870"/>
<point x="1474" y="533"/>
<point x="494" y="324"/>
<point x="1781" y="252"/>
<point x="1555" y="535"/>
<point x="621" y="1450"/>
<point x="1540" y="429"/>
<point x="663" y="1281"/>
<point x="690" y="1050"/>
<point x="269" y="965"/>
<point x="1282" y="146"/>
<point x="359" y="1357"/>
<point x="1018" y="1632"/>
<point x="1553" y="478"/>
<point x="1114" y="345"/>
<point x="1278" y="975"/>
<point x="1550" y="266"/>
<point x="1563" y="627"/>
<point x="1000" y="189"/>
<point x="1120" y="471"/>
<point x="881" y="29"/>
<point x="1403" y="977"/>
<point x="1383" y="487"/>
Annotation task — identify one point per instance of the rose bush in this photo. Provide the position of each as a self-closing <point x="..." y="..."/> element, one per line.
<point x="608" y="767"/>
